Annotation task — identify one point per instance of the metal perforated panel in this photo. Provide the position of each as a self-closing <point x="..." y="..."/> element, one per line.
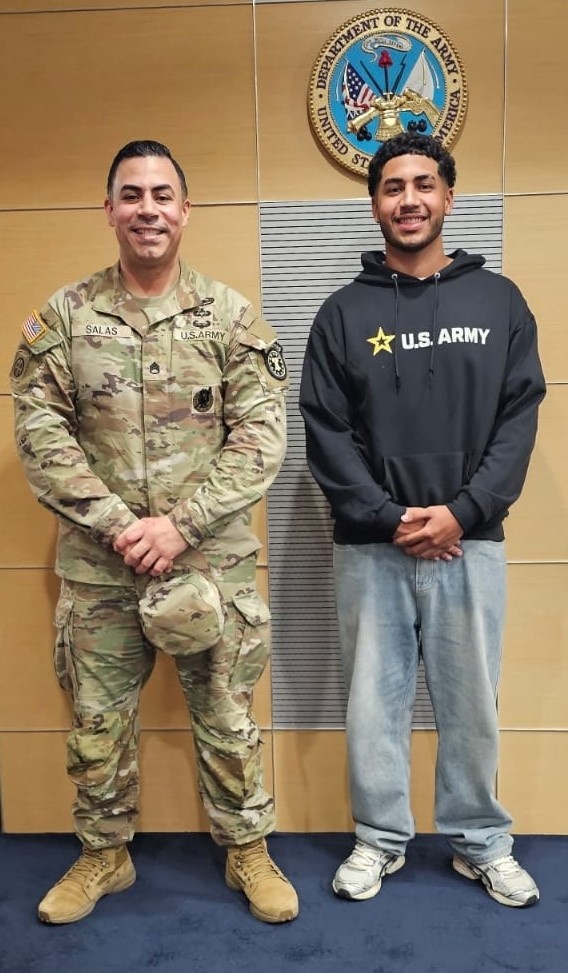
<point x="308" y="250"/>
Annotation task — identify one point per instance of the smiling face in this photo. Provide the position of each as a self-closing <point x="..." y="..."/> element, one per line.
<point x="148" y="214"/>
<point x="410" y="203"/>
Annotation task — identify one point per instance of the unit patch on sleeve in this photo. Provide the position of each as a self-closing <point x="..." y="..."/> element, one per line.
<point x="20" y="362"/>
<point x="34" y="328"/>
<point x="275" y="363"/>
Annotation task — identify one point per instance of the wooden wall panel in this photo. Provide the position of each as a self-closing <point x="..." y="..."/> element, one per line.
<point x="40" y="802"/>
<point x="289" y="38"/>
<point x="536" y="140"/>
<point x="533" y="785"/>
<point x="535" y="225"/>
<point x="260" y="528"/>
<point x="47" y="6"/>
<point x="30" y="698"/>
<point x="537" y="528"/>
<point x="52" y="248"/>
<point x="28" y="530"/>
<point x="534" y="684"/>
<point x="87" y="91"/>
<point x="423" y="763"/>
<point x="223" y="242"/>
<point x="310" y="781"/>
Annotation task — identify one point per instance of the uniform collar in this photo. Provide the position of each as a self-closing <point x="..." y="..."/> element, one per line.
<point x="114" y="300"/>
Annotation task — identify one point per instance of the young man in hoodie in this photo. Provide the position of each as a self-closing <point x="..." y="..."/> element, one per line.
<point x="420" y="392"/>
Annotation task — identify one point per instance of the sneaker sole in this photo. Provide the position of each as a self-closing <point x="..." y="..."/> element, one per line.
<point x="121" y="886"/>
<point x="390" y="869"/>
<point x="468" y="871"/>
<point x="286" y="916"/>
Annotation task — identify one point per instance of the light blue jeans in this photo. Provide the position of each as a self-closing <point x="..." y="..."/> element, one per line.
<point x="391" y="609"/>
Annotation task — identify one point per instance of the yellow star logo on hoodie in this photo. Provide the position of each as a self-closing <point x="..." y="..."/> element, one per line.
<point x="381" y="342"/>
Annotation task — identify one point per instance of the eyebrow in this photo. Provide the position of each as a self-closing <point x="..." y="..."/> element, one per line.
<point x="399" y="179"/>
<point x="128" y="187"/>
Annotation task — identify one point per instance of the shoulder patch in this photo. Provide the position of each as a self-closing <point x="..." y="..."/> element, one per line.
<point x="258" y="333"/>
<point x="20" y="363"/>
<point x="275" y="364"/>
<point x="34" y="328"/>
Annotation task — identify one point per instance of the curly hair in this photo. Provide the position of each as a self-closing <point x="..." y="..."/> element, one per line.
<point x="411" y="143"/>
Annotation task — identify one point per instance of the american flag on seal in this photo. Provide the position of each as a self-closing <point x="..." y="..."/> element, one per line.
<point x="357" y="95"/>
<point x="33" y="328"/>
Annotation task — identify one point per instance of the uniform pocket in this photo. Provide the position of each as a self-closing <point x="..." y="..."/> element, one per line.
<point x="62" y="649"/>
<point x="252" y="637"/>
<point x="252" y="607"/>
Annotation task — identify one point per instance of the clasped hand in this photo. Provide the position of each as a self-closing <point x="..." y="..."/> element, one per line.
<point x="429" y="532"/>
<point x="150" y="545"/>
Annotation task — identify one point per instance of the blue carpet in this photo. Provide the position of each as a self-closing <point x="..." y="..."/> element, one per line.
<point x="180" y="917"/>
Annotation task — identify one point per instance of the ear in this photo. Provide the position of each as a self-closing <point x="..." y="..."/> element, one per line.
<point x="109" y="210"/>
<point x="185" y="208"/>
<point x="449" y="202"/>
<point x="375" y="209"/>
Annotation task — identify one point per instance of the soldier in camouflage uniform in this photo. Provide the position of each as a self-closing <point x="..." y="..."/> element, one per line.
<point x="150" y="417"/>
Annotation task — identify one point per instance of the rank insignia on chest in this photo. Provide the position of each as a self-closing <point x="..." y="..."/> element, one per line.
<point x="203" y="399"/>
<point x="34" y="328"/>
<point x="275" y="362"/>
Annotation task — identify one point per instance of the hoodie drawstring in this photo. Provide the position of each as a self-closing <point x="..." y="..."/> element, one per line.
<point x="434" y="327"/>
<point x="394" y="278"/>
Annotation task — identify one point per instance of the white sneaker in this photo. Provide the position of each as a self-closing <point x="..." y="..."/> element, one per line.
<point x="503" y="878"/>
<point x="360" y="876"/>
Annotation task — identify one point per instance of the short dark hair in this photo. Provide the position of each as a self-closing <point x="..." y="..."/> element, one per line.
<point x="409" y="143"/>
<point x="142" y="149"/>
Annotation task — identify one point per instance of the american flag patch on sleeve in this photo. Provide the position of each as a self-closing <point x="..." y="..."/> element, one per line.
<point x="33" y="328"/>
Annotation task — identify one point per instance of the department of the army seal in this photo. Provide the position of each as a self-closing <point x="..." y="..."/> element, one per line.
<point x="382" y="73"/>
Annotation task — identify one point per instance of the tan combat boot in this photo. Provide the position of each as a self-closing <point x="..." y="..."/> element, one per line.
<point x="251" y="870"/>
<point x="96" y="873"/>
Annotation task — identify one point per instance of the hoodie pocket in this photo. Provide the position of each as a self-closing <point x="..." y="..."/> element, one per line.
<point x="426" y="478"/>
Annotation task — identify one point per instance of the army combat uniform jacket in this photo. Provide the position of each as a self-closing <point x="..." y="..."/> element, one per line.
<point x="123" y="411"/>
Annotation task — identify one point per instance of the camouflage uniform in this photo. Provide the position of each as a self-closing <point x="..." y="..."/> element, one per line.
<point x="125" y="411"/>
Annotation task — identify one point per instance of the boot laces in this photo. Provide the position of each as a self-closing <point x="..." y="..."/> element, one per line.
<point x="91" y="864"/>
<point x="257" y="863"/>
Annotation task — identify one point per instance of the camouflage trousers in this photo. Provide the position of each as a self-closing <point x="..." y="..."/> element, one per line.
<point x="103" y="659"/>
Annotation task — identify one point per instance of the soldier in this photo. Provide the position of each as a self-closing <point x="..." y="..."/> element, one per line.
<point x="150" y="417"/>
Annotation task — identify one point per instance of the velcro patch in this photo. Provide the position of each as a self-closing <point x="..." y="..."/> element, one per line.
<point x="203" y="399"/>
<point x="20" y="363"/>
<point x="275" y="364"/>
<point x="34" y="328"/>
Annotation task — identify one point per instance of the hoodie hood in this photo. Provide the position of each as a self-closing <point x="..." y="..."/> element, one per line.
<point x="375" y="270"/>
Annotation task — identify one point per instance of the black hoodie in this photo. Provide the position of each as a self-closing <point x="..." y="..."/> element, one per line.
<point x="421" y="392"/>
